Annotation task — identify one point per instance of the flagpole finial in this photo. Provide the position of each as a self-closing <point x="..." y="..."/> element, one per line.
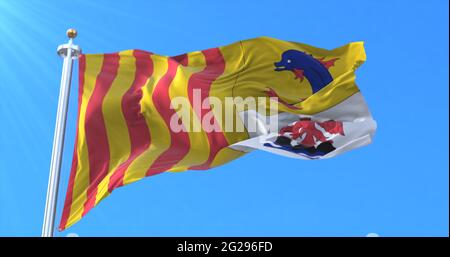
<point x="71" y="33"/>
<point x="64" y="49"/>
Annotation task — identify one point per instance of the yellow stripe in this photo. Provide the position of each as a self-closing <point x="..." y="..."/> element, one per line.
<point x="81" y="183"/>
<point x="159" y="134"/>
<point x="199" y="146"/>
<point x="222" y="87"/>
<point x="116" y="126"/>
<point x="258" y="73"/>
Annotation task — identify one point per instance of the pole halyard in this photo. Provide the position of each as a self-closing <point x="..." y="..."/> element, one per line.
<point x="69" y="52"/>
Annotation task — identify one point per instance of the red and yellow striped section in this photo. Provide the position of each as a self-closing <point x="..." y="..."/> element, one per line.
<point x="123" y="130"/>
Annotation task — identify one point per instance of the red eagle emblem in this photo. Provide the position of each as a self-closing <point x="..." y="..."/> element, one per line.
<point x="307" y="133"/>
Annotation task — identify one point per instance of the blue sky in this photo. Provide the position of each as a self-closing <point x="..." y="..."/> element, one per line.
<point x="397" y="186"/>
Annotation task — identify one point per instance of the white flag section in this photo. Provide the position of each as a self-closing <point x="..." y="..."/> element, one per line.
<point x="345" y="126"/>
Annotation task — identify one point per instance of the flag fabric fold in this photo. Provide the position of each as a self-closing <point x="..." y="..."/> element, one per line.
<point x="141" y="114"/>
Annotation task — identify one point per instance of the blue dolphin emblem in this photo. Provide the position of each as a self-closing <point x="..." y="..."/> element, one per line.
<point x="305" y="65"/>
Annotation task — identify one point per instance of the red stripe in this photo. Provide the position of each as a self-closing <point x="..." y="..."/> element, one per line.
<point x="215" y="66"/>
<point x="73" y="171"/>
<point x="137" y="127"/>
<point x="182" y="59"/>
<point x="179" y="142"/>
<point x="96" y="137"/>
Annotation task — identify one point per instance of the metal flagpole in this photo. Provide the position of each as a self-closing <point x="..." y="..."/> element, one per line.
<point x="69" y="52"/>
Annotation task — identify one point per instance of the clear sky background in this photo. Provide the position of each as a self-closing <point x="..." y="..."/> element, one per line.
<point x="397" y="186"/>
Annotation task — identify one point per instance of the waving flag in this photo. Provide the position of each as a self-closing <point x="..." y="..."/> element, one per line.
<point x="133" y="122"/>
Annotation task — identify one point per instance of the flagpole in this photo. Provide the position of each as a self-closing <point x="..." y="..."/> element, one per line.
<point x="68" y="52"/>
